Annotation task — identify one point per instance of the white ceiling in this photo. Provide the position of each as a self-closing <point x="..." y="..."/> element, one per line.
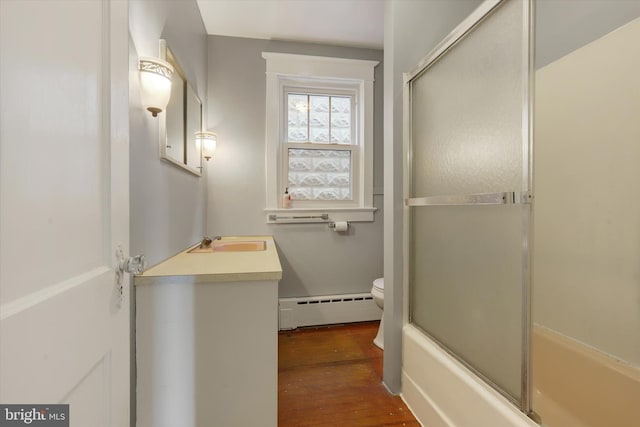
<point x="356" y="23"/>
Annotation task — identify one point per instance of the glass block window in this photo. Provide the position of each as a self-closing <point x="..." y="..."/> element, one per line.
<point x="319" y="174"/>
<point x="325" y="122"/>
<point x="319" y="119"/>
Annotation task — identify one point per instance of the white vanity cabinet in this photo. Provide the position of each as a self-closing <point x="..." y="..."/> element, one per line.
<point x="206" y="342"/>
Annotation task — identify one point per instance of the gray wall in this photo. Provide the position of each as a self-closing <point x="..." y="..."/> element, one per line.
<point x="563" y="26"/>
<point x="168" y="204"/>
<point x="315" y="260"/>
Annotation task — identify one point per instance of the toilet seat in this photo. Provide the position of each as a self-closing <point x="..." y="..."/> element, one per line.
<point x="379" y="284"/>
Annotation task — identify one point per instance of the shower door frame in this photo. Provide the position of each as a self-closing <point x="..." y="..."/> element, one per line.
<point x="524" y="197"/>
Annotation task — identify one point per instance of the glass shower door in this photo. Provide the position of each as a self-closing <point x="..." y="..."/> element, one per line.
<point x="469" y="195"/>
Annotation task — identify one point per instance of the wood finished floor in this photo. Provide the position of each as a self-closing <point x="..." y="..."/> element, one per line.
<point x="332" y="376"/>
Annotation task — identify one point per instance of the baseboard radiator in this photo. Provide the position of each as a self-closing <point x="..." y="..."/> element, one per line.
<point x="327" y="310"/>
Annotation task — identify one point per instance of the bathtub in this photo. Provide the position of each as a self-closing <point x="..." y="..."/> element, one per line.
<point x="441" y="392"/>
<point x="577" y="385"/>
<point x="574" y="385"/>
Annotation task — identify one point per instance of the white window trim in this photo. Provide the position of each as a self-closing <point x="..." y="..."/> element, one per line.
<point x="286" y="70"/>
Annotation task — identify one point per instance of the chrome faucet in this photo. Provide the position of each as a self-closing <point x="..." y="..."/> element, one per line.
<point x="206" y="242"/>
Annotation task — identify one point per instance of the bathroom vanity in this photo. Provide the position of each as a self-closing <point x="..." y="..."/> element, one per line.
<point x="206" y="337"/>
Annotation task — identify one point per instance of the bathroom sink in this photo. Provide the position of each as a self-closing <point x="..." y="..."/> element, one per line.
<point x="231" y="246"/>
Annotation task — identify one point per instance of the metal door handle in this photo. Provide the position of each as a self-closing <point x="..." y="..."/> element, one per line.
<point x="134" y="265"/>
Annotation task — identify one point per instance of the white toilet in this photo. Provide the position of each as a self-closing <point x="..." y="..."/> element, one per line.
<point x="377" y="292"/>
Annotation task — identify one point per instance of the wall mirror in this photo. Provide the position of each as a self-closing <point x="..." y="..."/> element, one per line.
<point x="181" y="120"/>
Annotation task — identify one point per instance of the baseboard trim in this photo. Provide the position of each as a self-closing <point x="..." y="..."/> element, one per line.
<point x="327" y="310"/>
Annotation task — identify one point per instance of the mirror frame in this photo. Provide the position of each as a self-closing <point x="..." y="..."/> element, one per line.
<point x="188" y="141"/>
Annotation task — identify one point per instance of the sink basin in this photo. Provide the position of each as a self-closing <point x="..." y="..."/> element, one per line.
<point x="231" y="246"/>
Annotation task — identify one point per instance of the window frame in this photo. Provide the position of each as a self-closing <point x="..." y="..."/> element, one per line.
<point x="289" y="73"/>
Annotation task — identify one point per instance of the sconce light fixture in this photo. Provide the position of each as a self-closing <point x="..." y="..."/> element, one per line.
<point x="155" y="83"/>
<point x="208" y="142"/>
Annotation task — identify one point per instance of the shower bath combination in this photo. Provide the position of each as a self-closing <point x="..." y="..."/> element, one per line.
<point x="489" y="291"/>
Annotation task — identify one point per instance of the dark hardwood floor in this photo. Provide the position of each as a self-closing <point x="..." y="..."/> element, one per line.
<point x="332" y="376"/>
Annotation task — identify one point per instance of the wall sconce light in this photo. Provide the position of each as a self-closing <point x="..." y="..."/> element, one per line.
<point x="155" y="83"/>
<point x="208" y="141"/>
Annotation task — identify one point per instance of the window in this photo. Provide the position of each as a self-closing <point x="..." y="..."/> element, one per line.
<point x="318" y="147"/>
<point x="319" y="136"/>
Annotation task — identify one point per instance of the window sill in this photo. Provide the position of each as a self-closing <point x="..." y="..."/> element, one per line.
<point x="289" y="216"/>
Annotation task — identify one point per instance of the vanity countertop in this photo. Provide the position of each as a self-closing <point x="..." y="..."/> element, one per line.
<point x="217" y="266"/>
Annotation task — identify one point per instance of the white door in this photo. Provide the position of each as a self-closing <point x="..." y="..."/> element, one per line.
<point x="64" y="180"/>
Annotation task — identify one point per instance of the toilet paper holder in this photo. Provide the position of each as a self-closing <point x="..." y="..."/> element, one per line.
<point x="332" y="226"/>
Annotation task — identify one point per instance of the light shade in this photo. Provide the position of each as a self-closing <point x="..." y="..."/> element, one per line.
<point x="208" y="142"/>
<point x="155" y="84"/>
